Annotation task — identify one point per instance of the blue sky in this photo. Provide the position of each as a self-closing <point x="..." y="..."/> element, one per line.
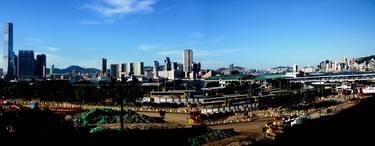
<point x="249" y="33"/>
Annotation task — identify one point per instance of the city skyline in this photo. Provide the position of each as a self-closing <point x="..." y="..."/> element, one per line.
<point x="272" y="33"/>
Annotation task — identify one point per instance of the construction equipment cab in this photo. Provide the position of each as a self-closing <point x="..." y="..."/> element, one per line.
<point x="197" y="119"/>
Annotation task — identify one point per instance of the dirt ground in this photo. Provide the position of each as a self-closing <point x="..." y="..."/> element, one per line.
<point x="248" y="131"/>
<point x="177" y="118"/>
<point x="143" y="126"/>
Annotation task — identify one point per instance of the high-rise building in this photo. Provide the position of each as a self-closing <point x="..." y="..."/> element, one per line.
<point x="48" y="72"/>
<point x="130" y="68"/>
<point x="26" y="64"/>
<point x="188" y="60"/>
<point x="139" y="69"/>
<point x="114" y="71"/>
<point x="322" y="66"/>
<point x="167" y="64"/>
<point x="295" y="68"/>
<point x="53" y="69"/>
<point x="174" y="65"/>
<point x="180" y="67"/>
<point x="123" y="69"/>
<point x="155" y="69"/>
<point x="41" y="66"/>
<point x="194" y="67"/>
<point x="15" y="59"/>
<point x="199" y="67"/>
<point x="8" y="54"/>
<point x="104" y="65"/>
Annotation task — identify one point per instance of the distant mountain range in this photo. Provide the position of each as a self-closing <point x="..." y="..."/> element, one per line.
<point x="238" y="68"/>
<point x="76" y="68"/>
<point x="367" y="59"/>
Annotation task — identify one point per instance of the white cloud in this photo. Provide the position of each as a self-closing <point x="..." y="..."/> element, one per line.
<point x="117" y="8"/>
<point x="29" y="42"/>
<point x="217" y="39"/>
<point x="169" y="52"/>
<point x="196" y="35"/>
<point x="165" y="9"/>
<point x="52" y="49"/>
<point x="35" y="40"/>
<point x="54" y="59"/>
<point x="144" y="47"/>
<point x="88" y="22"/>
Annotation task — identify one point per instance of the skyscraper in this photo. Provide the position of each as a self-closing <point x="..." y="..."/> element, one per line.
<point x="138" y="69"/>
<point x="114" y="71"/>
<point x="180" y="67"/>
<point x="174" y="65"/>
<point x="123" y="69"/>
<point x="104" y="65"/>
<point x="188" y="60"/>
<point x="131" y="68"/>
<point x="26" y="64"/>
<point x="199" y="67"/>
<point x="8" y="59"/>
<point x="53" y="69"/>
<point x="15" y="59"/>
<point x="295" y="68"/>
<point x="167" y="64"/>
<point x="41" y="66"/>
<point x="155" y="69"/>
<point x="194" y="67"/>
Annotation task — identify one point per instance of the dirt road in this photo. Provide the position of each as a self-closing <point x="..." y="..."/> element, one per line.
<point x="177" y="118"/>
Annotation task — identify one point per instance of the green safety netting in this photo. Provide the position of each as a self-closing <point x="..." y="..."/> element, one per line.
<point x="108" y="116"/>
<point x="101" y="129"/>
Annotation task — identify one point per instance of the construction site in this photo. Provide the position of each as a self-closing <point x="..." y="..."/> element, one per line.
<point x="244" y="112"/>
<point x="262" y="126"/>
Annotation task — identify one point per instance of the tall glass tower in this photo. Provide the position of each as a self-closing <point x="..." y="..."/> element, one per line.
<point x="8" y="61"/>
<point x="104" y="65"/>
<point x="188" y="60"/>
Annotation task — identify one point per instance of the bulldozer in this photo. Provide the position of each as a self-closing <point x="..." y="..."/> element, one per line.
<point x="197" y="119"/>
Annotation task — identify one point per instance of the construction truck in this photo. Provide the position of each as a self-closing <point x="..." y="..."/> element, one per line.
<point x="197" y="119"/>
<point x="272" y="129"/>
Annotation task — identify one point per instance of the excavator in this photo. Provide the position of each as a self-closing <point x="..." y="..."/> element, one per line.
<point x="272" y="129"/>
<point x="197" y="119"/>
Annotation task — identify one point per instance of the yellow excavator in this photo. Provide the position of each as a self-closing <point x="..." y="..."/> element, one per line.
<point x="272" y="129"/>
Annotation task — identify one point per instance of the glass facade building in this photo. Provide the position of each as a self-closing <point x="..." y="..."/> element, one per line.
<point x="8" y="54"/>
